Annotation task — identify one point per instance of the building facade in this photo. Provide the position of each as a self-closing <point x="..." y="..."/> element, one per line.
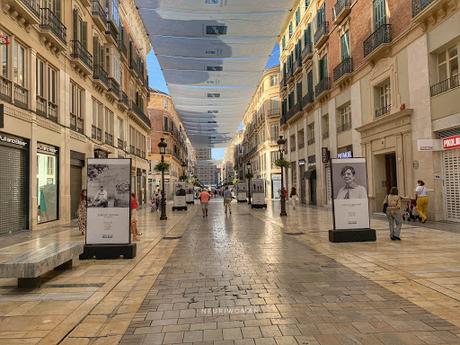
<point x="167" y="124"/>
<point x="73" y="85"/>
<point x="375" y="79"/>
<point x="261" y="132"/>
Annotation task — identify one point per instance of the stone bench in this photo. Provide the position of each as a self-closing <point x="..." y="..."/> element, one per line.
<point x="30" y="266"/>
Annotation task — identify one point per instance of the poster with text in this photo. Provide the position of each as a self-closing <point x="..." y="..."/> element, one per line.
<point x="190" y="193"/>
<point x="241" y="191"/>
<point x="258" y="192"/>
<point x="180" y="194"/>
<point x="349" y="190"/>
<point x="108" y="201"/>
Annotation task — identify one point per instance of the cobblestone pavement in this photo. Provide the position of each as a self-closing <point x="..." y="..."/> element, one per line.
<point x="252" y="279"/>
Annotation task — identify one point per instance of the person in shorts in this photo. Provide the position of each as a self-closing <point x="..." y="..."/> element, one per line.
<point x="228" y="200"/>
<point x="204" y="200"/>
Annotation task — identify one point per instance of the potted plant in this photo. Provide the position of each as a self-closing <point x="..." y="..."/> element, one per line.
<point x="282" y="163"/>
<point x="162" y="166"/>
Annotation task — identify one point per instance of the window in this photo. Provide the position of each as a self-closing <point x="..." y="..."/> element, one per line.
<point x="345" y="45"/>
<point x="301" y="139"/>
<point x="46" y="88"/>
<point x="165" y="104"/>
<point x="307" y="3"/>
<point x="121" y="129"/>
<point x="109" y="126"/>
<point x="447" y="64"/>
<point x="274" y="156"/>
<point x="297" y="17"/>
<point x="382" y="98"/>
<point x="216" y="30"/>
<point x="283" y="43"/>
<point x="76" y="107"/>
<point x="274" y="80"/>
<point x="113" y="14"/>
<point x="54" y="6"/>
<point x="294" y="173"/>
<point x="98" y="120"/>
<point x="299" y="91"/>
<point x="292" y="143"/>
<point x="344" y="118"/>
<point x="80" y="29"/>
<point x="290" y="29"/>
<point x="379" y="13"/>
<point x="311" y="133"/>
<point x="41" y="78"/>
<point x="307" y="37"/>
<point x="322" y="68"/>
<point x="4" y="58"/>
<point x="325" y="126"/>
<point x="274" y="132"/>
<point x="165" y="124"/>
<point x="47" y="183"/>
<point x="321" y="16"/>
<point x="19" y="64"/>
<point x="52" y="85"/>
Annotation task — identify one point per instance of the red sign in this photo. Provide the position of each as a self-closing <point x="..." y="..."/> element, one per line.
<point x="451" y="142"/>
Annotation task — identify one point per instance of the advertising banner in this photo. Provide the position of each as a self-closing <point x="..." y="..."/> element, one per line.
<point x="190" y="194"/>
<point x="241" y="191"/>
<point x="180" y="196"/>
<point x="258" y="192"/>
<point x="349" y="192"/>
<point x="108" y="201"/>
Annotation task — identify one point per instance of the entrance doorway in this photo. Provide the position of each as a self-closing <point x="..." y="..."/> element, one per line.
<point x="313" y="187"/>
<point x="303" y="198"/>
<point x="390" y="171"/>
<point x="77" y="163"/>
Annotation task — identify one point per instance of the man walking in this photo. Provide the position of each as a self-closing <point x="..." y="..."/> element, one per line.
<point x="228" y="200"/>
<point x="204" y="200"/>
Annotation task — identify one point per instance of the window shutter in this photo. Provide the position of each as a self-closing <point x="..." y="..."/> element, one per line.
<point x="84" y="34"/>
<point x="57" y="8"/>
<point x="96" y="50"/>
<point x="75" y="24"/>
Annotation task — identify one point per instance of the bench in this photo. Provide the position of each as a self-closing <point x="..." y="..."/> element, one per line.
<point x="30" y="266"/>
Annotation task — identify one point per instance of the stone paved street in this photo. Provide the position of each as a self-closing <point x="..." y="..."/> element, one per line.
<point x="243" y="279"/>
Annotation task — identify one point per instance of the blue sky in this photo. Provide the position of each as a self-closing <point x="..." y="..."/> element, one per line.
<point x="157" y="81"/>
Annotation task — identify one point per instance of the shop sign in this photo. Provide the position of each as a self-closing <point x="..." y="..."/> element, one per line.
<point x="428" y="144"/>
<point x="12" y="140"/>
<point x="346" y="154"/>
<point x="325" y="154"/>
<point x="451" y="142"/>
<point x="301" y="162"/>
<point x="47" y="148"/>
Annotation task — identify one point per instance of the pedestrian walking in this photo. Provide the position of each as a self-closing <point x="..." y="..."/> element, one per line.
<point x="204" y="200"/>
<point x="393" y="211"/>
<point x="227" y="200"/>
<point x="421" y="200"/>
<point x="82" y="212"/>
<point x="293" y="196"/>
<point x="134" y="205"/>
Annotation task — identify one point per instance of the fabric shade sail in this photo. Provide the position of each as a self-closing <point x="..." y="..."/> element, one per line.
<point x="213" y="53"/>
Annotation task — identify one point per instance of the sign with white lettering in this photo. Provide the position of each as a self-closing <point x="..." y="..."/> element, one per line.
<point x="451" y="142"/>
<point x="12" y="140"/>
<point x="428" y="144"/>
<point x="347" y="154"/>
<point x="108" y="201"/>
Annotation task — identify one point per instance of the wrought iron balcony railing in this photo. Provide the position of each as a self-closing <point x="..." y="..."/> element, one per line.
<point x="307" y="50"/>
<point x="6" y="89"/>
<point x="322" y="86"/>
<point x="321" y="32"/>
<point x="339" y="7"/>
<point x="101" y="74"/>
<point x="98" y="11"/>
<point x="444" y="85"/>
<point x="307" y="98"/>
<point x="419" y="5"/>
<point x="120" y="144"/>
<point x="21" y="96"/>
<point x="383" y="110"/>
<point x="80" y="52"/>
<point x="51" y="22"/>
<point x="345" y="67"/>
<point x="33" y="6"/>
<point x="108" y="138"/>
<point x="114" y="87"/>
<point x="343" y="127"/>
<point x="76" y="123"/>
<point x="380" y="36"/>
<point x="140" y="113"/>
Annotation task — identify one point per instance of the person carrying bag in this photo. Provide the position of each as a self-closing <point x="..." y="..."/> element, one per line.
<point x="393" y="211"/>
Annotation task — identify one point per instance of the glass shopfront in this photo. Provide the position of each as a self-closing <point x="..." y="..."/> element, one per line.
<point x="47" y="183"/>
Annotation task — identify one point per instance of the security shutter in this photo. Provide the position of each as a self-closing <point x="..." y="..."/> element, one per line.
<point x="328" y="184"/>
<point x="13" y="189"/>
<point x="452" y="184"/>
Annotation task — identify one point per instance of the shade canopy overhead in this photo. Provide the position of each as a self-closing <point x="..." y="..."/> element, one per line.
<point x="213" y="53"/>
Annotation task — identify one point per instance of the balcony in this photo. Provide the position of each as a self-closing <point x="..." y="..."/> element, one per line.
<point x="53" y="29"/>
<point x="294" y="110"/>
<point x="112" y="31"/>
<point x="322" y="87"/>
<point x="307" y="52"/>
<point x="298" y="65"/>
<point x="100" y="77"/>
<point x="81" y="57"/>
<point x="21" y="96"/>
<point x="272" y="113"/>
<point x="383" y="110"/>
<point x="120" y="144"/>
<point x="311" y="141"/>
<point x="321" y="34"/>
<point x="422" y="9"/>
<point x="308" y="99"/>
<point x="341" y="10"/>
<point x="96" y="133"/>
<point x="24" y="10"/>
<point x="99" y="15"/>
<point x="377" y="41"/>
<point x="123" y="101"/>
<point x="122" y="47"/>
<point x="108" y="139"/>
<point x="77" y="124"/>
<point x="283" y="82"/>
<point x="114" y="88"/>
<point x="6" y="89"/>
<point x="46" y="109"/>
<point x="140" y="113"/>
<point x="343" y="69"/>
<point x="444" y="85"/>
<point x="344" y="127"/>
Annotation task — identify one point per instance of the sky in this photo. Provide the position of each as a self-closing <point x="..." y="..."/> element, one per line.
<point x="157" y="81"/>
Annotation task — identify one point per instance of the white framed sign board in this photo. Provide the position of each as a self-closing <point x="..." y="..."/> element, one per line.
<point x="190" y="194"/>
<point x="258" y="193"/>
<point x="179" y="200"/>
<point x="108" y="201"/>
<point x="241" y="192"/>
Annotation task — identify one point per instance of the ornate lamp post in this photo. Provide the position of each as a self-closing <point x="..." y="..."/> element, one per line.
<point x="281" y="142"/>
<point x="162" y="146"/>
<point x="249" y="174"/>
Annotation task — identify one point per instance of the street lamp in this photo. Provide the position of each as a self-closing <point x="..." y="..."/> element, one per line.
<point x="281" y="142"/>
<point x="248" y="166"/>
<point x="184" y="165"/>
<point x="162" y="146"/>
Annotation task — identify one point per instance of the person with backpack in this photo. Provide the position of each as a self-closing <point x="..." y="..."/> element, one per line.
<point x="392" y="203"/>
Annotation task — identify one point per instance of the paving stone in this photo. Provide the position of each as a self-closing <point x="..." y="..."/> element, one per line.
<point x="173" y="338"/>
<point x="232" y="333"/>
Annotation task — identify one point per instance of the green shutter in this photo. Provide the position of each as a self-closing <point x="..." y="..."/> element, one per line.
<point x="84" y="34"/>
<point x="75" y="24"/>
<point x="379" y="13"/>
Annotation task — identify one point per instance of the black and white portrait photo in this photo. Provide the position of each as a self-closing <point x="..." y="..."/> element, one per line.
<point x="349" y="181"/>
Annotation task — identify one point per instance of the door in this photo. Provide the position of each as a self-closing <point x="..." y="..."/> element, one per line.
<point x="451" y="160"/>
<point x="75" y="189"/>
<point x="303" y="197"/>
<point x="380" y="16"/>
<point x="313" y="187"/>
<point x="13" y="189"/>
<point x="390" y="171"/>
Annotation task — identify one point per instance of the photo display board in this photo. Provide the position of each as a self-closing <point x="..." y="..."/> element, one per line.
<point x="349" y="193"/>
<point x="190" y="194"/>
<point x="108" y="201"/>
<point x="180" y="194"/>
<point x="241" y="191"/>
<point x="258" y="192"/>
